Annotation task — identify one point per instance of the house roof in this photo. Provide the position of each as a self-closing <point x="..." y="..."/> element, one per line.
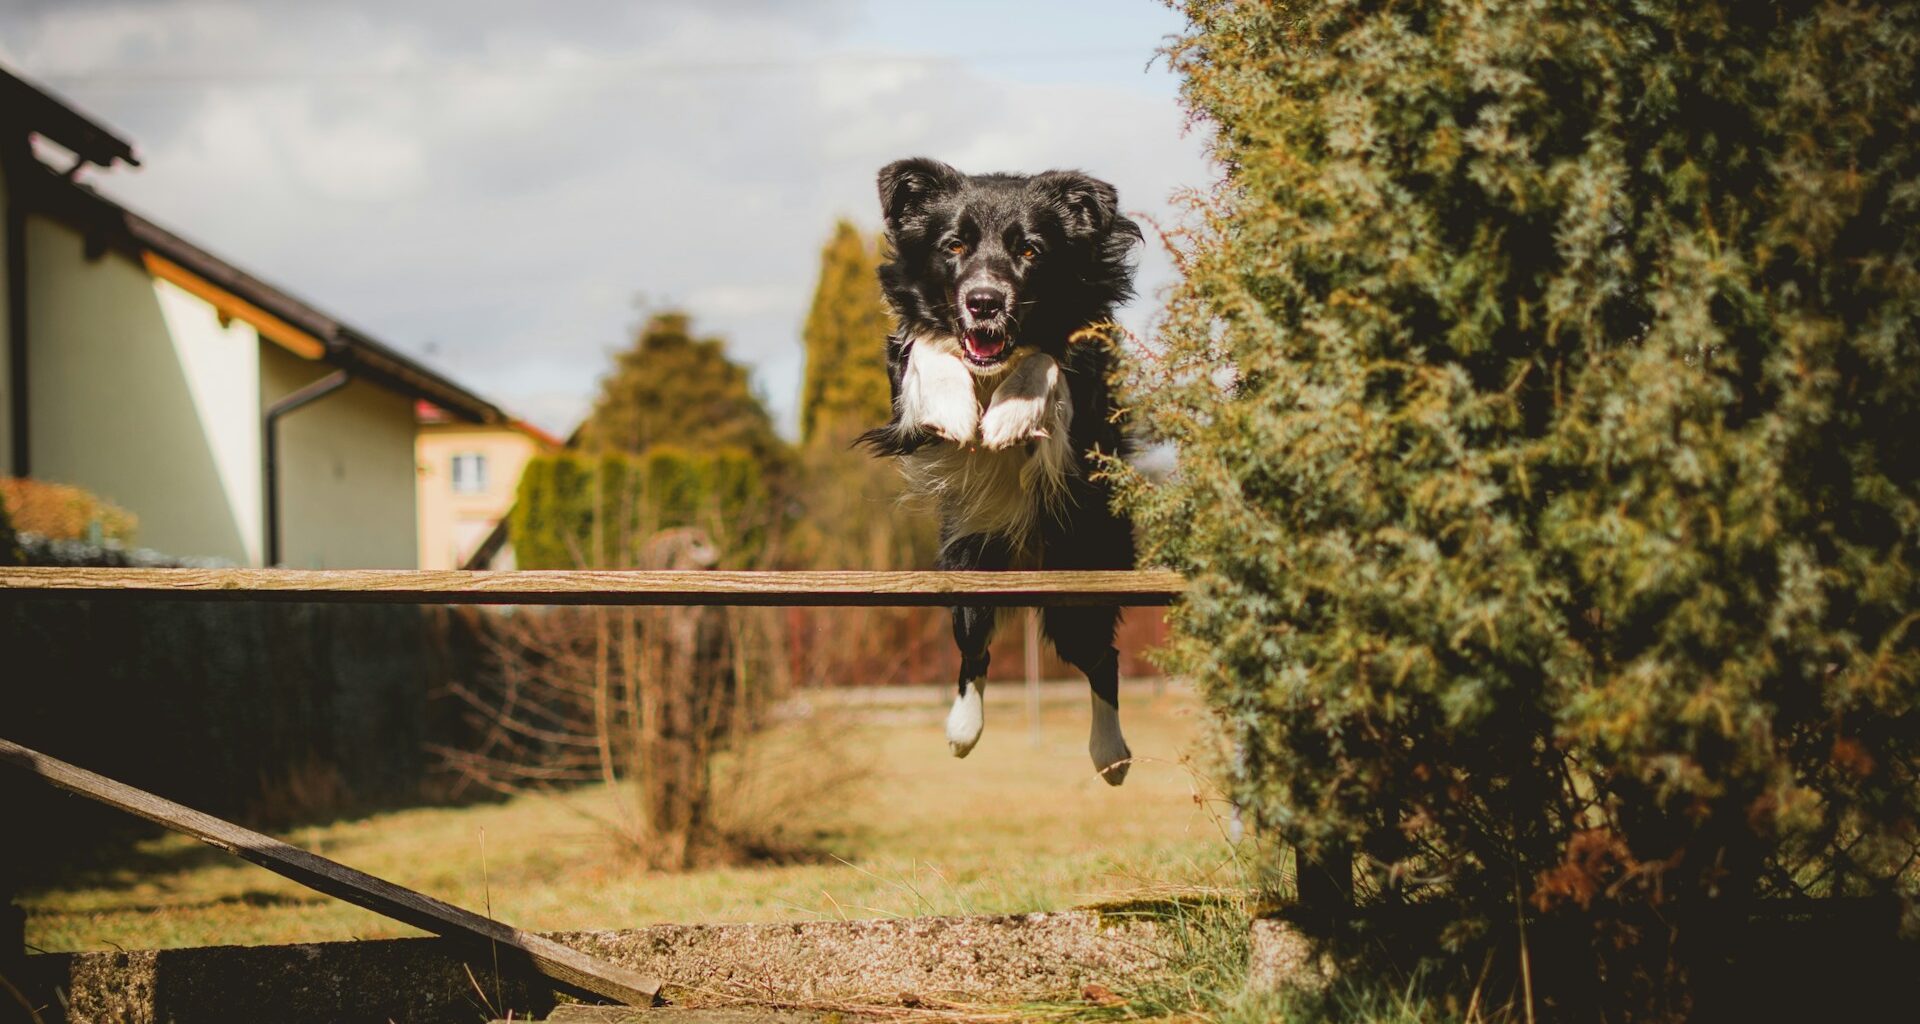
<point x="37" y="110"/>
<point x="428" y="413"/>
<point x="278" y="315"/>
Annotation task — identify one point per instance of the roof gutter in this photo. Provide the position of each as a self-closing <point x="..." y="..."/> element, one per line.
<point x="270" y="451"/>
<point x="371" y="360"/>
<point x="12" y="161"/>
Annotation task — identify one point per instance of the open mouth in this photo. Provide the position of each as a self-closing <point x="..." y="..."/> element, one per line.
<point x="985" y="347"/>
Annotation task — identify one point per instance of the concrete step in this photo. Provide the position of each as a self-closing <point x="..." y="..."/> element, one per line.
<point x="838" y="966"/>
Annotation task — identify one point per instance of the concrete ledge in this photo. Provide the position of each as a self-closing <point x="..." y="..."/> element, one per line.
<point x="993" y="959"/>
<point x="1279" y="955"/>
<point x="375" y="980"/>
<point x="968" y="959"/>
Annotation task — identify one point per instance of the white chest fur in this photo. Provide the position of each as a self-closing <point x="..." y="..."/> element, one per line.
<point x="1009" y="453"/>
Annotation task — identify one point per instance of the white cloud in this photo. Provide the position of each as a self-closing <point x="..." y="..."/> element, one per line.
<point x="748" y="300"/>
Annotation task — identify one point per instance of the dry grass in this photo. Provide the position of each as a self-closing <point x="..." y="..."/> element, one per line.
<point x="1013" y="828"/>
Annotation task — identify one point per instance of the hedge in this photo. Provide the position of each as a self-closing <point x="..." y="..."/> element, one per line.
<point x="1543" y="385"/>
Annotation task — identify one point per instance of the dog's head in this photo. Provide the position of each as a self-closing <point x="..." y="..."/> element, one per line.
<point x="1002" y="260"/>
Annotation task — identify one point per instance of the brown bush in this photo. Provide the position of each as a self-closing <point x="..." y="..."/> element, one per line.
<point x="64" y="512"/>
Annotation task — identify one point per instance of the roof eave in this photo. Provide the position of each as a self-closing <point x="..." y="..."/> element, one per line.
<point x="106" y="224"/>
<point x="33" y="108"/>
<point x="27" y="107"/>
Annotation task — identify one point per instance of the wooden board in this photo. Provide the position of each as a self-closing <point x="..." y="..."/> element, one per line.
<point x="581" y="1013"/>
<point x="573" y="969"/>
<point x="455" y="586"/>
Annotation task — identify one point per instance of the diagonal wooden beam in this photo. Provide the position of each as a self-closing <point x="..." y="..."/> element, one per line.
<point x="604" y="587"/>
<point x="569" y="967"/>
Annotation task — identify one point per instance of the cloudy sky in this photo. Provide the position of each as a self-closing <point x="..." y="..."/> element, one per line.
<point x="499" y="188"/>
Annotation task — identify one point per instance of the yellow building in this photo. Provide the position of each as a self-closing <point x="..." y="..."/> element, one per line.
<point x="468" y="475"/>
<point x="235" y="421"/>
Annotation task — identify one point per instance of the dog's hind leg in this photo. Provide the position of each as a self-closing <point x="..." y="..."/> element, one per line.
<point x="1084" y="638"/>
<point x="972" y="631"/>
<point x="1088" y="536"/>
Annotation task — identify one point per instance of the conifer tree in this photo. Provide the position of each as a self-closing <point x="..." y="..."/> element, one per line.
<point x="844" y="390"/>
<point x="676" y="389"/>
<point x="1544" y="388"/>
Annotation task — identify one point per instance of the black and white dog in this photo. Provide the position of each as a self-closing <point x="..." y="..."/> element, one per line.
<point x="999" y="414"/>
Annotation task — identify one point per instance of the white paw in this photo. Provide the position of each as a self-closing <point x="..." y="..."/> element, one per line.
<point x="936" y="393"/>
<point x="1010" y="421"/>
<point x="1027" y="404"/>
<point x="966" y="720"/>
<point x="1111" y="758"/>
<point x="955" y="418"/>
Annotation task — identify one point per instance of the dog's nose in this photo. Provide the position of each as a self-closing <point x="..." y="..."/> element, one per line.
<point x="986" y="302"/>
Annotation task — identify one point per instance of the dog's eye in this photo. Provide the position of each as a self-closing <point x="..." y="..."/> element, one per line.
<point x="957" y="248"/>
<point x="1028" y="252"/>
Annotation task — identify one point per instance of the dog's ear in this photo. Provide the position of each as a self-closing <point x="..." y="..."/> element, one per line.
<point x="1087" y="205"/>
<point x="907" y="186"/>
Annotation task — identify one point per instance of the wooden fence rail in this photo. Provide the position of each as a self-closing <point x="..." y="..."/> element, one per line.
<point x="603" y="587"/>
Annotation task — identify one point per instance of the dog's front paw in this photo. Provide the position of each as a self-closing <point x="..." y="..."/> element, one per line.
<point x="954" y="417"/>
<point x="1011" y="421"/>
<point x="1030" y="403"/>
<point x="936" y="395"/>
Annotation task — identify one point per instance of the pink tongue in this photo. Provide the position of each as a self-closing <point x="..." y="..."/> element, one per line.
<point x="986" y="348"/>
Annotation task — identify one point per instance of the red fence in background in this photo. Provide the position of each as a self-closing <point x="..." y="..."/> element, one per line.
<point x="914" y="647"/>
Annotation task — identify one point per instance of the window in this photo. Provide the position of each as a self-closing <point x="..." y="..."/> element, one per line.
<point x="469" y="473"/>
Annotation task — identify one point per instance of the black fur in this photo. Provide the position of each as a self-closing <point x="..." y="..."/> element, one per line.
<point x="1059" y="244"/>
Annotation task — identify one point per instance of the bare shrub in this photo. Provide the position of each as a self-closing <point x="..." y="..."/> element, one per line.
<point x="643" y="700"/>
<point x="783" y="796"/>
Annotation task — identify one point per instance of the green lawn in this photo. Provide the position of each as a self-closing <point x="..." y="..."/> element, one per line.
<point x="1014" y="827"/>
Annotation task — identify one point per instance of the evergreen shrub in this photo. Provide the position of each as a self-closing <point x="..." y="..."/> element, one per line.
<point x="1543" y="382"/>
<point x="580" y="510"/>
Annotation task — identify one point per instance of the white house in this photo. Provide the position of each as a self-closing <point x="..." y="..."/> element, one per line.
<point x="233" y="419"/>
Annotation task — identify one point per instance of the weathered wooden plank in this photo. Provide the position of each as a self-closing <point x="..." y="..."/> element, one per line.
<point x="583" y="1013"/>
<point x="572" y="968"/>
<point x="603" y="587"/>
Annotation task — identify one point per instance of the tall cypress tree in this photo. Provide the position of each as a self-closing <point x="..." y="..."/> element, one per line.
<point x="850" y="509"/>
<point x="844" y="389"/>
